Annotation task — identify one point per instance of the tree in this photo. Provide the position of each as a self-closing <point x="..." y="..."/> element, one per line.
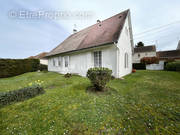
<point x="140" y="44"/>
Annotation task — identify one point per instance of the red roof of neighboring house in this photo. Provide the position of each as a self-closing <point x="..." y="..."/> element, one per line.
<point x="39" y="56"/>
<point x="104" y="32"/>
<point x="172" y="54"/>
<point x="151" y="48"/>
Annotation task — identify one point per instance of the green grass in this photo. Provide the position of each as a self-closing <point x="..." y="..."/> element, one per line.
<point x="146" y="102"/>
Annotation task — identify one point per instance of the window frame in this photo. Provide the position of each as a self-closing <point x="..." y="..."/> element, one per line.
<point x="54" y="62"/>
<point x="66" y="61"/>
<point x="97" y="58"/>
<point x="59" y="61"/>
<point x="126" y="60"/>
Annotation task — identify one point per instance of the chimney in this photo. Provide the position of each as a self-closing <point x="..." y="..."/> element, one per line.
<point x="98" y="21"/>
<point x="74" y="30"/>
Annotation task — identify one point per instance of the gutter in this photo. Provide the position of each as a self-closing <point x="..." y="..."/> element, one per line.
<point x="110" y="43"/>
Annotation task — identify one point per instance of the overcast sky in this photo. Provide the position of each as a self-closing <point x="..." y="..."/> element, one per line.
<point x="155" y="21"/>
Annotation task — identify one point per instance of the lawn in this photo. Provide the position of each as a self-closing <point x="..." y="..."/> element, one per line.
<point x="146" y="102"/>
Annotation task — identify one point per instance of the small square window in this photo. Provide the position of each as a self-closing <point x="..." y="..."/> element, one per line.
<point x="139" y="55"/>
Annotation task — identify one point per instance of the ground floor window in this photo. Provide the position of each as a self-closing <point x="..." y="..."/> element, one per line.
<point x="66" y="61"/>
<point x="98" y="59"/>
<point x="54" y="62"/>
<point x="60" y="61"/>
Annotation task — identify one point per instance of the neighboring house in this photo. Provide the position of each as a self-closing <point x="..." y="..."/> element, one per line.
<point x="178" y="47"/>
<point x="145" y="51"/>
<point x="169" y="55"/>
<point x="107" y="43"/>
<point x="41" y="57"/>
<point x="164" y="56"/>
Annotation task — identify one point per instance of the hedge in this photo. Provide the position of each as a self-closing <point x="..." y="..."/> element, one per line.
<point x="150" y="60"/>
<point x="43" y="67"/>
<point x="20" y="95"/>
<point x="99" y="77"/>
<point x="13" y="67"/>
<point x="173" y="66"/>
<point x="139" y="66"/>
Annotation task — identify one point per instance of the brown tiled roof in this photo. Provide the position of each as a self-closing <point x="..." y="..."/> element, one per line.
<point x="105" y="32"/>
<point x="151" y="48"/>
<point x="173" y="54"/>
<point x="39" y="56"/>
<point x="178" y="47"/>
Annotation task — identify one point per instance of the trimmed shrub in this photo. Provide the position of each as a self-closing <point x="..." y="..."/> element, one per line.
<point x="173" y="66"/>
<point x="99" y="77"/>
<point x="150" y="60"/>
<point x="20" y="95"/>
<point x="43" y="67"/>
<point x="13" y="67"/>
<point x="68" y="75"/>
<point x="139" y="66"/>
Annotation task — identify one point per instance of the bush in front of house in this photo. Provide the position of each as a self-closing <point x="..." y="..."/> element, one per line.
<point x="139" y="66"/>
<point x="150" y="60"/>
<point x="13" y="67"/>
<point x="99" y="77"/>
<point x="173" y="66"/>
<point x="68" y="75"/>
<point x="20" y="95"/>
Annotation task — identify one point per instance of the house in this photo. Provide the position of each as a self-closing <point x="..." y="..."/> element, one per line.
<point x="145" y="51"/>
<point x="41" y="57"/>
<point x="107" y="43"/>
<point x="169" y="55"/>
<point x="178" y="47"/>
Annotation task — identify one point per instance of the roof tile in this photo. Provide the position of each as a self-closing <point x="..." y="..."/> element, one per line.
<point x="105" y="32"/>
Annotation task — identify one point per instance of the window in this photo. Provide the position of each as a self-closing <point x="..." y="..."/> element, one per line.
<point x="126" y="60"/>
<point x="126" y="31"/>
<point x="59" y="61"/>
<point x="54" y="62"/>
<point x="139" y="55"/>
<point x="66" y="61"/>
<point x="98" y="59"/>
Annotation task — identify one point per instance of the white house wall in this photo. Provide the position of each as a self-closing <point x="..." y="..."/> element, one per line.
<point x="80" y="62"/>
<point x="138" y="56"/>
<point x="113" y="56"/>
<point x="125" y="46"/>
<point x="44" y="61"/>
